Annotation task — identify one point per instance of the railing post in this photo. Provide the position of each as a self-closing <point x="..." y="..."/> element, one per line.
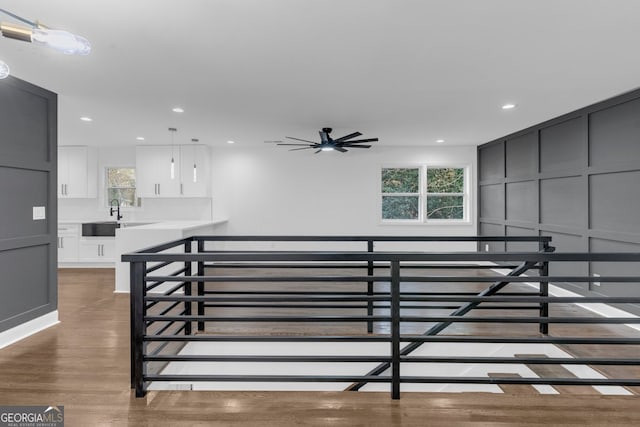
<point x="187" y="288"/>
<point x="544" y="292"/>
<point x="138" y="327"/>
<point x="200" y="285"/>
<point x="395" y="329"/>
<point x="370" y="287"/>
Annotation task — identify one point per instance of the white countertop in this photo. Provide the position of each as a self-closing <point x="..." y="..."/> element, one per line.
<point x="174" y="225"/>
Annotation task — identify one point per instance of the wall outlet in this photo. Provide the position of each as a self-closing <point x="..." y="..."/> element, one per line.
<point x="39" y="212"/>
<point x="486" y="247"/>
<point x="596" y="283"/>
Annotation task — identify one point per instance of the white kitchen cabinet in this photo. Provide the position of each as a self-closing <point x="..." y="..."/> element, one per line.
<point x="68" y="242"/>
<point x="96" y="249"/>
<point x="77" y="172"/>
<point x="197" y="155"/>
<point x="153" y="171"/>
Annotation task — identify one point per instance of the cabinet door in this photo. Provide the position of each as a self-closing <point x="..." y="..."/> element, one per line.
<point x="153" y="171"/>
<point x="67" y="248"/>
<point x="99" y="249"/>
<point x="195" y="185"/>
<point x="77" y="172"/>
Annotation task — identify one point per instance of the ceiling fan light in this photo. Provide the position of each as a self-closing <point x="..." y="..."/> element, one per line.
<point x="327" y="148"/>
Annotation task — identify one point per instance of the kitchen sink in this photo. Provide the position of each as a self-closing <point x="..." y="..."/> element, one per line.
<point x="104" y="228"/>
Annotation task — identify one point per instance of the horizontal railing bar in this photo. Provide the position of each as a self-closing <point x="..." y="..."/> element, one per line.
<point x="355" y="266"/>
<point x="385" y="256"/>
<point x="213" y="279"/>
<point x="269" y="378"/>
<point x="512" y="380"/>
<point x="269" y="338"/>
<point x="167" y="326"/>
<point x="194" y="318"/>
<point x="347" y="238"/>
<point x="515" y="319"/>
<point x="174" y="275"/>
<point x="375" y="306"/>
<point x="227" y="292"/>
<point x="264" y="299"/>
<point x="169" y="294"/>
<point x="387" y="338"/>
<point x="166" y="343"/>
<point x="520" y="360"/>
<point x="256" y="358"/>
<point x="523" y="340"/>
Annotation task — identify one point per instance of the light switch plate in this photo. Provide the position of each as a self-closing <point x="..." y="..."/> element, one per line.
<point x="39" y="212"/>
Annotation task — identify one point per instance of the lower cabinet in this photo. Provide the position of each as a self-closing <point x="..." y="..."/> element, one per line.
<point x="96" y="249"/>
<point x="68" y="243"/>
<point x="75" y="249"/>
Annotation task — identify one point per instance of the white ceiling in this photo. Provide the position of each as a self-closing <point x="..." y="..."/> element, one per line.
<point x="407" y="71"/>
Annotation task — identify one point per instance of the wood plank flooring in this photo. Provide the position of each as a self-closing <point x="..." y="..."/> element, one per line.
<point x="83" y="364"/>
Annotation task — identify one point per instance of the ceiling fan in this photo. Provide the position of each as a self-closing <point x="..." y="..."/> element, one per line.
<point x="327" y="143"/>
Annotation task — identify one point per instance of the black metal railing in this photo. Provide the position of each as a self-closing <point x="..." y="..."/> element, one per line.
<point x="400" y="298"/>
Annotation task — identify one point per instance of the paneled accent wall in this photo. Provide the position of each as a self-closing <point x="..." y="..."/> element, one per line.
<point x="28" y="176"/>
<point x="575" y="178"/>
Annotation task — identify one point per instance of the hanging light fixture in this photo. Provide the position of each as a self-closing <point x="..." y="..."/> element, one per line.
<point x="173" y="163"/>
<point x="60" y="40"/>
<point x="4" y="70"/>
<point x="195" y="168"/>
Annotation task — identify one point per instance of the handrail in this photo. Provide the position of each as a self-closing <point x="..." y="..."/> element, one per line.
<point x="162" y="315"/>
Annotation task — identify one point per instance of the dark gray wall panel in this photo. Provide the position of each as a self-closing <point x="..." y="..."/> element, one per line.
<point x="563" y="201"/>
<point x="488" y="229"/>
<point x="24" y="123"/>
<point x="522" y="203"/>
<point x="522" y="156"/>
<point x="614" y="134"/>
<point x="521" y="246"/>
<point x="492" y="161"/>
<point x="492" y="201"/>
<point x="16" y="210"/>
<point x="614" y="201"/>
<point x="21" y="287"/>
<point x="562" y="146"/>
<point x="28" y="167"/>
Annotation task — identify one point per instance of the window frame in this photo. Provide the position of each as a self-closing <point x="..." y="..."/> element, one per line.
<point x="107" y="187"/>
<point x="423" y="194"/>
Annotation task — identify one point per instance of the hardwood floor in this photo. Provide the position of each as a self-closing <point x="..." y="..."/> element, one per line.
<point x="83" y="364"/>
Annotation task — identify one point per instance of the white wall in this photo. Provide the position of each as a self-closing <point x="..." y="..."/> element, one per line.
<point x="269" y="190"/>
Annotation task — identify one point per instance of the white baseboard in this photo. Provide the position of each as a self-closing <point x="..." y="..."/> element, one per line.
<point x="26" y="329"/>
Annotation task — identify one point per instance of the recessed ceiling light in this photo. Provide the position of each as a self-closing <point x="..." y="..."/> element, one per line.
<point x="508" y="106"/>
<point x="439" y="141"/>
<point x="140" y="138"/>
<point x="178" y="110"/>
<point x="231" y="142"/>
<point x="86" y="119"/>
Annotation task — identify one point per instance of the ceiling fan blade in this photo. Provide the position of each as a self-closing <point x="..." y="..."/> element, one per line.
<point x="351" y="135"/>
<point x="324" y="136"/>
<point x="356" y="146"/>
<point x="271" y="142"/>
<point x="318" y="151"/>
<point x="363" y="140"/>
<point x="298" y="139"/>
<point x="284" y="143"/>
<point x="303" y="148"/>
<point x="340" y="149"/>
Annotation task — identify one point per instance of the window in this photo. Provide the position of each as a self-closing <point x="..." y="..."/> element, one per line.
<point x="121" y="186"/>
<point x="424" y="194"/>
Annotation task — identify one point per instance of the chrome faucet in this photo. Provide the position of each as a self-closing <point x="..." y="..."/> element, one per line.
<point x="117" y="210"/>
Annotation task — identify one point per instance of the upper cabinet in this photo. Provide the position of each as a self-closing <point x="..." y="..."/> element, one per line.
<point x="154" y="176"/>
<point x="77" y="172"/>
<point x="194" y="170"/>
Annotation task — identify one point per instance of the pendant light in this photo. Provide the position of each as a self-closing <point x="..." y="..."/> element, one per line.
<point x="195" y="168"/>
<point x="173" y="163"/>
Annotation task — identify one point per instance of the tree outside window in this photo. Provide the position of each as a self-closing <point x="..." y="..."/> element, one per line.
<point x="423" y="194"/>
<point x="121" y="186"/>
